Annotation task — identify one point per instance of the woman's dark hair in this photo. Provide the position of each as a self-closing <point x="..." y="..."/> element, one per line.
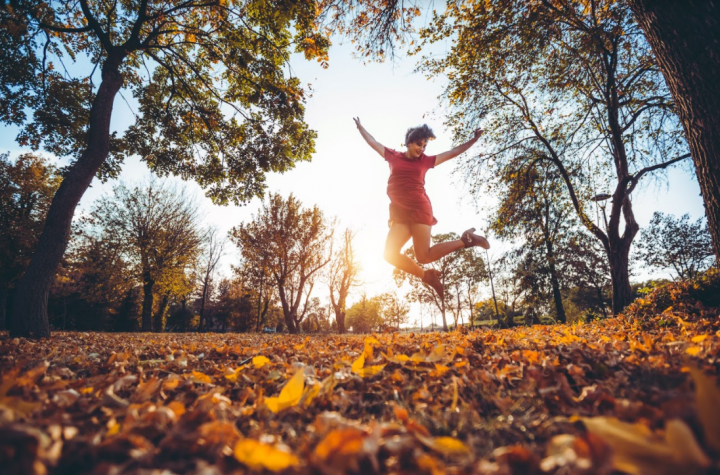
<point x="417" y="134"/>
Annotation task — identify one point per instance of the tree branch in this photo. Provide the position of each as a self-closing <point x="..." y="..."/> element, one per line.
<point x="95" y="26"/>
<point x="59" y="29"/>
<point x="634" y="179"/>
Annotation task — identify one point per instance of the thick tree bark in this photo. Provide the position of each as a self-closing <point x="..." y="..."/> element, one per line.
<point x="620" y="276"/>
<point x="147" y="305"/>
<point x="685" y="37"/>
<point x="339" y="309"/>
<point x="29" y="317"/>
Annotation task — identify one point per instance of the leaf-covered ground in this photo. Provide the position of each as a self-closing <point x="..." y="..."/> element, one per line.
<point x="528" y="400"/>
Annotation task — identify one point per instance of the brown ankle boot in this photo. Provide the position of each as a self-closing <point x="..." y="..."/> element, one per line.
<point x="470" y="239"/>
<point x="432" y="278"/>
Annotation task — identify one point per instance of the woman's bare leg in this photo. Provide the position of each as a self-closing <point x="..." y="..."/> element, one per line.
<point x="397" y="237"/>
<point x="421" y="242"/>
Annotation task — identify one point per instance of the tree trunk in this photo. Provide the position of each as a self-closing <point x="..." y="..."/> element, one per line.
<point x="602" y="302"/>
<point x="158" y="324"/>
<point x="202" y="305"/>
<point x="184" y="315"/>
<point x="622" y="293"/>
<point x="685" y="37"/>
<point x="29" y="317"/>
<point x="148" y="284"/>
<point x="559" y="309"/>
<point x="290" y="322"/>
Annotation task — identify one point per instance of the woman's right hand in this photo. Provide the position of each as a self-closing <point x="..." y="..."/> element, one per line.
<point x="357" y="122"/>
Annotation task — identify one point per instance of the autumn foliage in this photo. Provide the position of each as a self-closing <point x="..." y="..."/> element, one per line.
<point x="634" y="393"/>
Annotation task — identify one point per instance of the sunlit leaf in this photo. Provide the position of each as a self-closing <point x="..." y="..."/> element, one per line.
<point x="198" y="377"/>
<point x="636" y="450"/>
<point x="446" y="445"/>
<point x="260" y="361"/>
<point x="340" y="441"/>
<point x="289" y="395"/>
<point x="707" y="396"/>
<point x="257" y="456"/>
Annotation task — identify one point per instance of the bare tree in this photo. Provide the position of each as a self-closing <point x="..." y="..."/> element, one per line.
<point x="343" y="275"/>
<point x="212" y="253"/>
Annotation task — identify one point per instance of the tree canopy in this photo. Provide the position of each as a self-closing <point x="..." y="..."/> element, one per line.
<point x="570" y="84"/>
<point x="215" y="102"/>
<point x="293" y="244"/>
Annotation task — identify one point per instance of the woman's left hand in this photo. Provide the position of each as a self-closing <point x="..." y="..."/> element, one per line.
<point x="478" y="132"/>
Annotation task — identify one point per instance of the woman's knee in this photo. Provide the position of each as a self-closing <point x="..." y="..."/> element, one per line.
<point x="423" y="258"/>
<point x="390" y="255"/>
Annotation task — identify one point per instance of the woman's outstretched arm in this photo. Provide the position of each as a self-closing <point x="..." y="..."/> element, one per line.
<point x="377" y="146"/>
<point x="445" y="156"/>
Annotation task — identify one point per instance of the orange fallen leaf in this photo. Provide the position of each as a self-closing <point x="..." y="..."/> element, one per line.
<point x="707" y="396"/>
<point x="340" y="441"/>
<point x="257" y="456"/>
<point x="445" y="445"/>
<point x="198" y="377"/>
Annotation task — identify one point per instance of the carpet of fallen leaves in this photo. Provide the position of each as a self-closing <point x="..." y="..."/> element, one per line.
<point x="634" y="394"/>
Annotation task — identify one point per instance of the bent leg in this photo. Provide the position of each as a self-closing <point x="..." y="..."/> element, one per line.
<point x="397" y="237"/>
<point x="421" y="243"/>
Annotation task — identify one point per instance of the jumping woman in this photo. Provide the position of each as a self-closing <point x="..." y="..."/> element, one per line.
<point x="410" y="209"/>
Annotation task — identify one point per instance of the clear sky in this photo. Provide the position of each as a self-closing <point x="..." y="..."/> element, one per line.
<point x="347" y="179"/>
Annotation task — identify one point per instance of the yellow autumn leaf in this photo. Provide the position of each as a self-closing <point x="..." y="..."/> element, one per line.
<point x="358" y="363"/>
<point x="289" y="395"/>
<point x="257" y="456"/>
<point x="198" y="377"/>
<point x="233" y="374"/>
<point x="693" y="350"/>
<point x="448" y="445"/>
<point x="309" y="394"/>
<point x="699" y="338"/>
<point x="113" y="428"/>
<point x="455" y="395"/>
<point x="260" y="361"/>
<point x="707" y="396"/>
<point x="440" y="370"/>
<point x="636" y="450"/>
<point x="370" y="370"/>
<point x="359" y="369"/>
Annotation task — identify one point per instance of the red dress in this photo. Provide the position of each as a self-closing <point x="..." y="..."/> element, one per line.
<point x="409" y="203"/>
